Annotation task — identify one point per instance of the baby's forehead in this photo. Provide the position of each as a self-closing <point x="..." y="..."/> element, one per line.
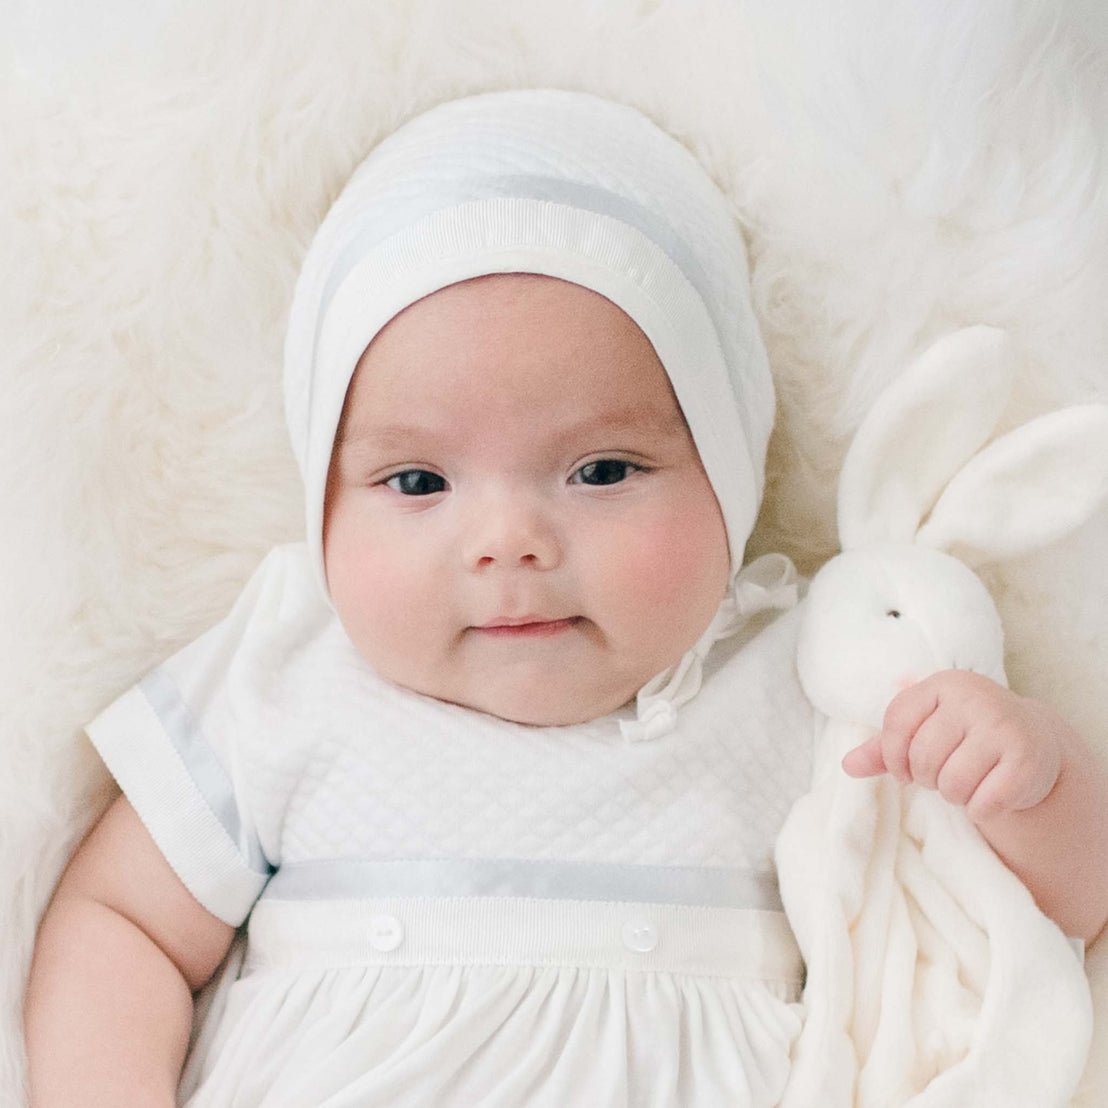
<point x="514" y="347"/>
<point x="551" y="330"/>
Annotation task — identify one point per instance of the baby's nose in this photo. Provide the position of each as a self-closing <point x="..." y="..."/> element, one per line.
<point x="509" y="531"/>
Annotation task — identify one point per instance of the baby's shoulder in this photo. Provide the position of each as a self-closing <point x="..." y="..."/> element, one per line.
<point x="764" y="648"/>
<point x="753" y="677"/>
<point x="278" y="611"/>
<point x="284" y="586"/>
<point x="282" y="599"/>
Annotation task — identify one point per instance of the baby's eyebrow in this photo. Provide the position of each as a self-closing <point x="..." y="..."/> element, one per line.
<point x="647" y="419"/>
<point x="395" y="434"/>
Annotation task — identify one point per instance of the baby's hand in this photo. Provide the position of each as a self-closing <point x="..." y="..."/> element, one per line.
<point x="979" y="744"/>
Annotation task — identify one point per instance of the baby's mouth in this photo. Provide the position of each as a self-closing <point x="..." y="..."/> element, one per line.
<point x="520" y="627"/>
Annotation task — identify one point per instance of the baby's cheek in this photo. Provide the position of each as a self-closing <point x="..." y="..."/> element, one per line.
<point x="372" y="597"/>
<point x="676" y="567"/>
<point x="660" y="571"/>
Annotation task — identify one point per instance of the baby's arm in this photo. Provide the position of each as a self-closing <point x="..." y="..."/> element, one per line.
<point x="1028" y="781"/>
<point x="121" y="949"/>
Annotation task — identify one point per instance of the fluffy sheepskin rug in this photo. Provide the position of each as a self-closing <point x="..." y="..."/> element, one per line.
<point x="902" y="168"/>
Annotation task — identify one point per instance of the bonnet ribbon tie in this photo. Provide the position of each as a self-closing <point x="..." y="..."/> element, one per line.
<point x="769" y="582"/>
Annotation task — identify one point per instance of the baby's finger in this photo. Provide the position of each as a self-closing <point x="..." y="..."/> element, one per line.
<point x="865" y="760"/>
<point x="964" y="771"/>
<point x="903" y="718"/>
<point x="1015" y="784"/>
<point x="936" y="739"/>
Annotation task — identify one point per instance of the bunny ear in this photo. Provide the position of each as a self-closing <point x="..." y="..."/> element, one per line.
<point x="1027" y="489"/>
<point x="920" y="432"/>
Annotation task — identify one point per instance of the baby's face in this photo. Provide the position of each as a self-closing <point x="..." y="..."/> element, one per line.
<point x="516" y="518"/>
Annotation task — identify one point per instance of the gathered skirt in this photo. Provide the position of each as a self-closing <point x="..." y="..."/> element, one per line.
<point x="501" y="1003"/>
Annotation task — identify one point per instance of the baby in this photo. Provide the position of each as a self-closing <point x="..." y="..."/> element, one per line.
<point x="493" y="764"/>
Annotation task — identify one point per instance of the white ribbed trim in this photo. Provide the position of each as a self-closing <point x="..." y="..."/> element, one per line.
<point x="507" y="931"/>
<point x="141" y="756"/>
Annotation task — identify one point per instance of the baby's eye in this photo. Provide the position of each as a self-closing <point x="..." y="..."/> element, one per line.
<point x="606" y="471"/>
<point x="416" y="482"/>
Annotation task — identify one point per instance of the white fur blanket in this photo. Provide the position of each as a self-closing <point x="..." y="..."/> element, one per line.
<point x="902" y="169"/>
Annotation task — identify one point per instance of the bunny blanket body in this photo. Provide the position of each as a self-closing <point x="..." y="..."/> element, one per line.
<point x="933" y="978"/>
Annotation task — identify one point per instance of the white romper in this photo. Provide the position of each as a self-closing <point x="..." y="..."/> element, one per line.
<point x="447" y="909"/>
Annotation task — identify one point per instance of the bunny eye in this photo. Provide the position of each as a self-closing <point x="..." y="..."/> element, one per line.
<point x="893" y="613"/>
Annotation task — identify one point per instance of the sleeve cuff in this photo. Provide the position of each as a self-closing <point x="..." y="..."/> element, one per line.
<point x="177" y="787"/>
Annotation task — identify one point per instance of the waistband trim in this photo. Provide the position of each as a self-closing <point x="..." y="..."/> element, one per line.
<point x="503" y="931"/>
<point x="699" y="886"/>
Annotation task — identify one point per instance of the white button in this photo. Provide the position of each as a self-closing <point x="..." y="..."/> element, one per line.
<point x="640" y="935"/>
<point x="385" y="933"/>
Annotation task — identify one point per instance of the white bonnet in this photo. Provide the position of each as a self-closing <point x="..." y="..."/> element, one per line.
<point x="549" y="182"/>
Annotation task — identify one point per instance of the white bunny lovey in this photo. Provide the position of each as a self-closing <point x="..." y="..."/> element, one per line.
<point x="933" y="979"/>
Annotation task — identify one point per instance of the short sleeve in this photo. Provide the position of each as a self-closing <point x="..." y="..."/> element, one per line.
<point x="170" y="744"/>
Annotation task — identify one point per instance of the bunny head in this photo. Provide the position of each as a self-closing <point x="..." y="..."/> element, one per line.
<point x="883" y="617"/>
<point x="921" y="498"/>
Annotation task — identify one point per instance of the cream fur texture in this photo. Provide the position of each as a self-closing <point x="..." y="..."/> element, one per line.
<point x="902" y="169"/>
